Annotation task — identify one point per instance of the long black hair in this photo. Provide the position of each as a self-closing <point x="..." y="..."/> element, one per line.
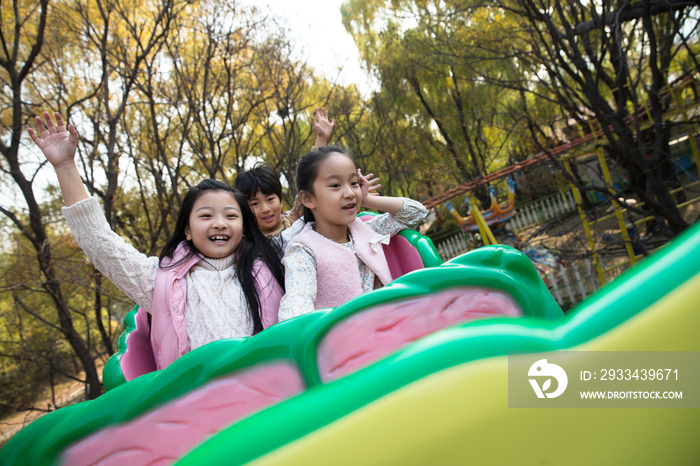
<point x="254" y="245"/>
<point x="307" y="171"/>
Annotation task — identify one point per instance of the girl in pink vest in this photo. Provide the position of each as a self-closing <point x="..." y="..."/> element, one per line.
<point x="337" y="256"/>
<point x="217" y="276"/>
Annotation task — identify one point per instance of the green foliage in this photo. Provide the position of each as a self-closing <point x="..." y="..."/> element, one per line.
<point x="423" y="54"/>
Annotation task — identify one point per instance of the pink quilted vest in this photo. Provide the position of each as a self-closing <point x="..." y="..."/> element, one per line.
<point x="168" y="330"/>
<point x="337" y="275"/>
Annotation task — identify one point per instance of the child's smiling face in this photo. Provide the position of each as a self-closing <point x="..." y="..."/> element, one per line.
<point x="216" y="224"/>
<point x="336" y="196"/>
<point x="267" y="209"/>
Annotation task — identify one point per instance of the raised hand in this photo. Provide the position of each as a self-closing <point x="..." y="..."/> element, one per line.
<point x="368" y="184"/>
<point x="322" y="126"/>
<point x="58" y="143"/>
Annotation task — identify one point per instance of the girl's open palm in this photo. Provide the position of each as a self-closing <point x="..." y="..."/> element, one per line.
<point x="58" y="143"/>
<point x="321" y="124"/>
<point x="368" y="184"/>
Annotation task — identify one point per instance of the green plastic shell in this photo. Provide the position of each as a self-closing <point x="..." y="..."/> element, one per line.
<point x="543" y="328"/>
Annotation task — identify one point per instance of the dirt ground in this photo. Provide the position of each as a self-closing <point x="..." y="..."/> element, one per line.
<point x="566" y="236"/>
<point x="66" y="392"/>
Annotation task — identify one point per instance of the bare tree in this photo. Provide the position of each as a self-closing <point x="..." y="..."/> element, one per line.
<point x="214" y="68"/>
<point x="608" y="67"/>
<point x="121" y="38"/>
<point x="20" y="57"/>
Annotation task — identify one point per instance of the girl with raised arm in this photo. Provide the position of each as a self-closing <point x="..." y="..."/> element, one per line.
<point x="217" y="277"/>
<point x="337" y="256"/>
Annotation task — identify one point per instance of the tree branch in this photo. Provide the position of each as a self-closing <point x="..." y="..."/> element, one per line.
<point x="631" y="13"/>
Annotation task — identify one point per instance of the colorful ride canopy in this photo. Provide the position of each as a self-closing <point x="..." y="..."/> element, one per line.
<point x="495" y="217"/>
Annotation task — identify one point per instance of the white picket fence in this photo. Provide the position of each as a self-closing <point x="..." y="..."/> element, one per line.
<point x="572" y="283"/>
<point x="542" y="211"/>
<point x="455" y="245"/>
<point x="532" y="214"/>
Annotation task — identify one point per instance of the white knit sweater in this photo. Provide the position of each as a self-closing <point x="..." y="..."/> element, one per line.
<point x="216" y="307"/>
